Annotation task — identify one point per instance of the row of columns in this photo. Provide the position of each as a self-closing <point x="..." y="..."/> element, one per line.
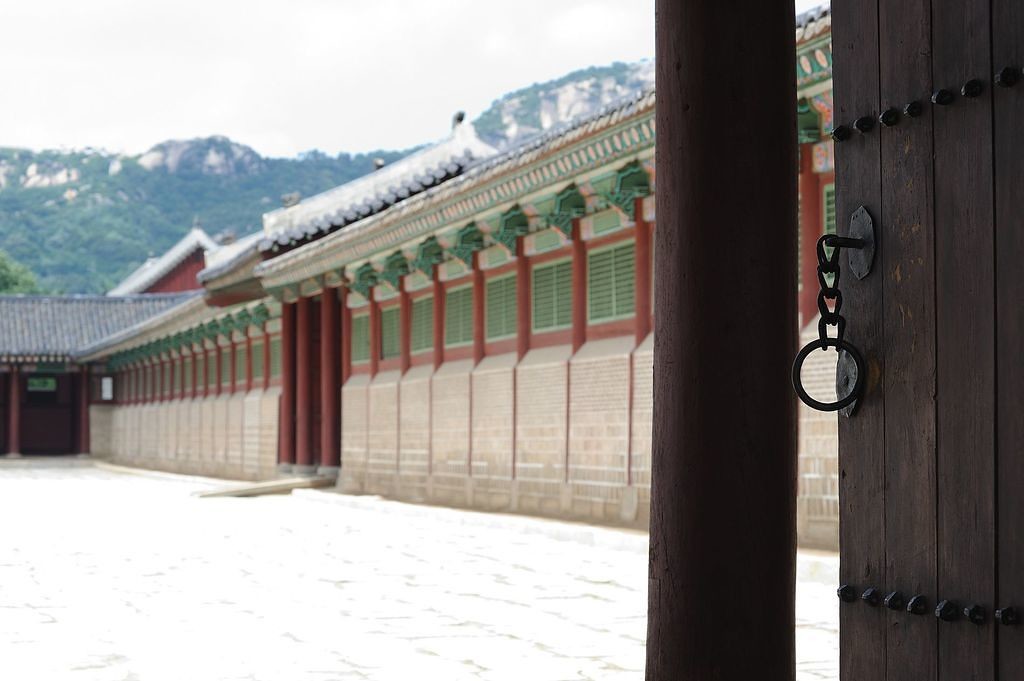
<point x="298" y="389"/>
<point x="154" y="375"/>
<point x="296" y="436"/>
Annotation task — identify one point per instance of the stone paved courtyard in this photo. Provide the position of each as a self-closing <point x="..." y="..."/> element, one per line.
<point x="107" y="575"/>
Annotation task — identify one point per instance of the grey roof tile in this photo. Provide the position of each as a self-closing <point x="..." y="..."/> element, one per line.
<point x="57" y="326"/>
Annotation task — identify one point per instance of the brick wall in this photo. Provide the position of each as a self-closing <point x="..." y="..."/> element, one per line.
<point x="818" y="458"/>
<point x="643" y="420"/>
<point x="354" y="415"/>
<point x="382" y="435"/>
<point x="493" y="431"/>
<point x="450" y="436"/>
<point x="542" y="380"/>
<point x="178" y="435"/>
<point x="414" y="433"/>
<point x="599" y="380"/>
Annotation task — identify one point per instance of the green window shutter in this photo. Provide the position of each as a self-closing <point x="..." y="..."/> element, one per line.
<point x="177" y="375"/>
<point x="543" y="298"/>
<point x="552" y="296"/>
<point x="361" y="339"/>
<point x="187" y="378"/>
<point x="611" y="283"/>
<point x="225" y="366"/>
<point x="563" y="294"/>
<point x="257" y="360"/>
<point x="240" y="352"/>
<point x="275" y="357"/>
<point x="458" y="317"/>
<point x="422" y="324"/>
<point x="390" y="333"/>
<point x="211" y="368"/>
<point x="501" y="307"/>
<point x="601" y="285"/>
<point x="200" y="370"/>
<point x="165" y="385"/>
<point x="829" y="207"/>
<point x="625" y="281"/>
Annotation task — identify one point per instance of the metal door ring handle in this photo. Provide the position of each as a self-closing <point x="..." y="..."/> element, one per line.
<point x="858" y="385"/>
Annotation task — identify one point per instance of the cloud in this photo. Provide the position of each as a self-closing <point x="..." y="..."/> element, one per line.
<point x="287" y="76"/>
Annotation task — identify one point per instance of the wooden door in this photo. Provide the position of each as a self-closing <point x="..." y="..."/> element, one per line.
<point x="932" y="464"/>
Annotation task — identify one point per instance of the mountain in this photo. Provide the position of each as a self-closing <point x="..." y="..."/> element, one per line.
<point x="539" y="107"/>
<point x="83" y="219"/>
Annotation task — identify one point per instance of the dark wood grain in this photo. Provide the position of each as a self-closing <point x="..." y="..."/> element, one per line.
<point x="1008" y="49"/>
<point x="965" y="335"/>
<point x="907" y="268"/>
<point x="862" y="438"/>
<point x="721" y="580"/>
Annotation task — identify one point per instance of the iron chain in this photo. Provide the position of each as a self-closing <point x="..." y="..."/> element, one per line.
<point x="830" y="265"/>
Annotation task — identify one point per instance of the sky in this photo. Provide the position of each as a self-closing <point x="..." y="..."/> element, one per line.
<point x="287" y="76"/>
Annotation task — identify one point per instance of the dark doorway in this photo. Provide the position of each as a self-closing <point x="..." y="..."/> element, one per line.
<point x="47" y="413"/>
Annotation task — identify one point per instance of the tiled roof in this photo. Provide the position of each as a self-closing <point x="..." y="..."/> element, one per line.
<point x="227" y="257"/>
<point x="485" y="170"/>
<point x="813" y="22"/>
<point x="153" y="269"/>
<point x="54" y="327"/>
<point x="375" y="192"/>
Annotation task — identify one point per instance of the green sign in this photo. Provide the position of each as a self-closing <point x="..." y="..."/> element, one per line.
<point x="45" y="384"/>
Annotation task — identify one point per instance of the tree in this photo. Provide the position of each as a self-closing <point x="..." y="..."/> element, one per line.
<point x="15" y="277"/>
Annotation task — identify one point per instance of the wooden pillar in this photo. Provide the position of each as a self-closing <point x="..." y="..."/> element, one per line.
<point x="266" y="358"/>
<point x="330" y="384"/>
<point x="14" y="412"/>
<point x="374" y="335"/>
<point x="479" y="338"/>
<point x="157" y="367"/>
<point x="303" y="388"/>
<point x="232" y="362"/>
<point x="522" y="301"/>
<point x="286" y="425"/>
<point x="723" y="493"/>
<point x="83" y="410"/>
<point x="642" y="275"/>
<point x="346" y="337"/>
<point x="405" y="328"/>
<point x="811" y="227"/>
<point x="439" y="303"/>
<point x="248" y="361"/>
<point x="218" y="359"/>
<point x="195" y="373"/>
<point x="579" y="288"/>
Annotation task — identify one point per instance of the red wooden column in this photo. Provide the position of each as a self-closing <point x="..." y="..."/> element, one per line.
<point x="266" y="359"/>
<point x="439" y="303"/>
<point x="346" y="337"/>
<point x="374" y="334"/>
<point x="330" y="384"/>
<point x="286" y="426"/>
<point x="723" y="479"/>
<point x="233" y="361"/>
<point x="642" y="274"/>
<point x="811" y="228"/>
<point x="579" y="288"/>
<point x="522" y="300"/>
<point x="195" y="373"/>
<point x="248" y="361"/>
<point x="83" y="411"/>
<point x="479" y="338"/>
<point x="405" y="327"/>
<point x="14" y="412"/>
<point x="303" y="389"/>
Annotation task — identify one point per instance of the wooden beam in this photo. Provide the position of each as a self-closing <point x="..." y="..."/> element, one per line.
<point x="723" y="496"/>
